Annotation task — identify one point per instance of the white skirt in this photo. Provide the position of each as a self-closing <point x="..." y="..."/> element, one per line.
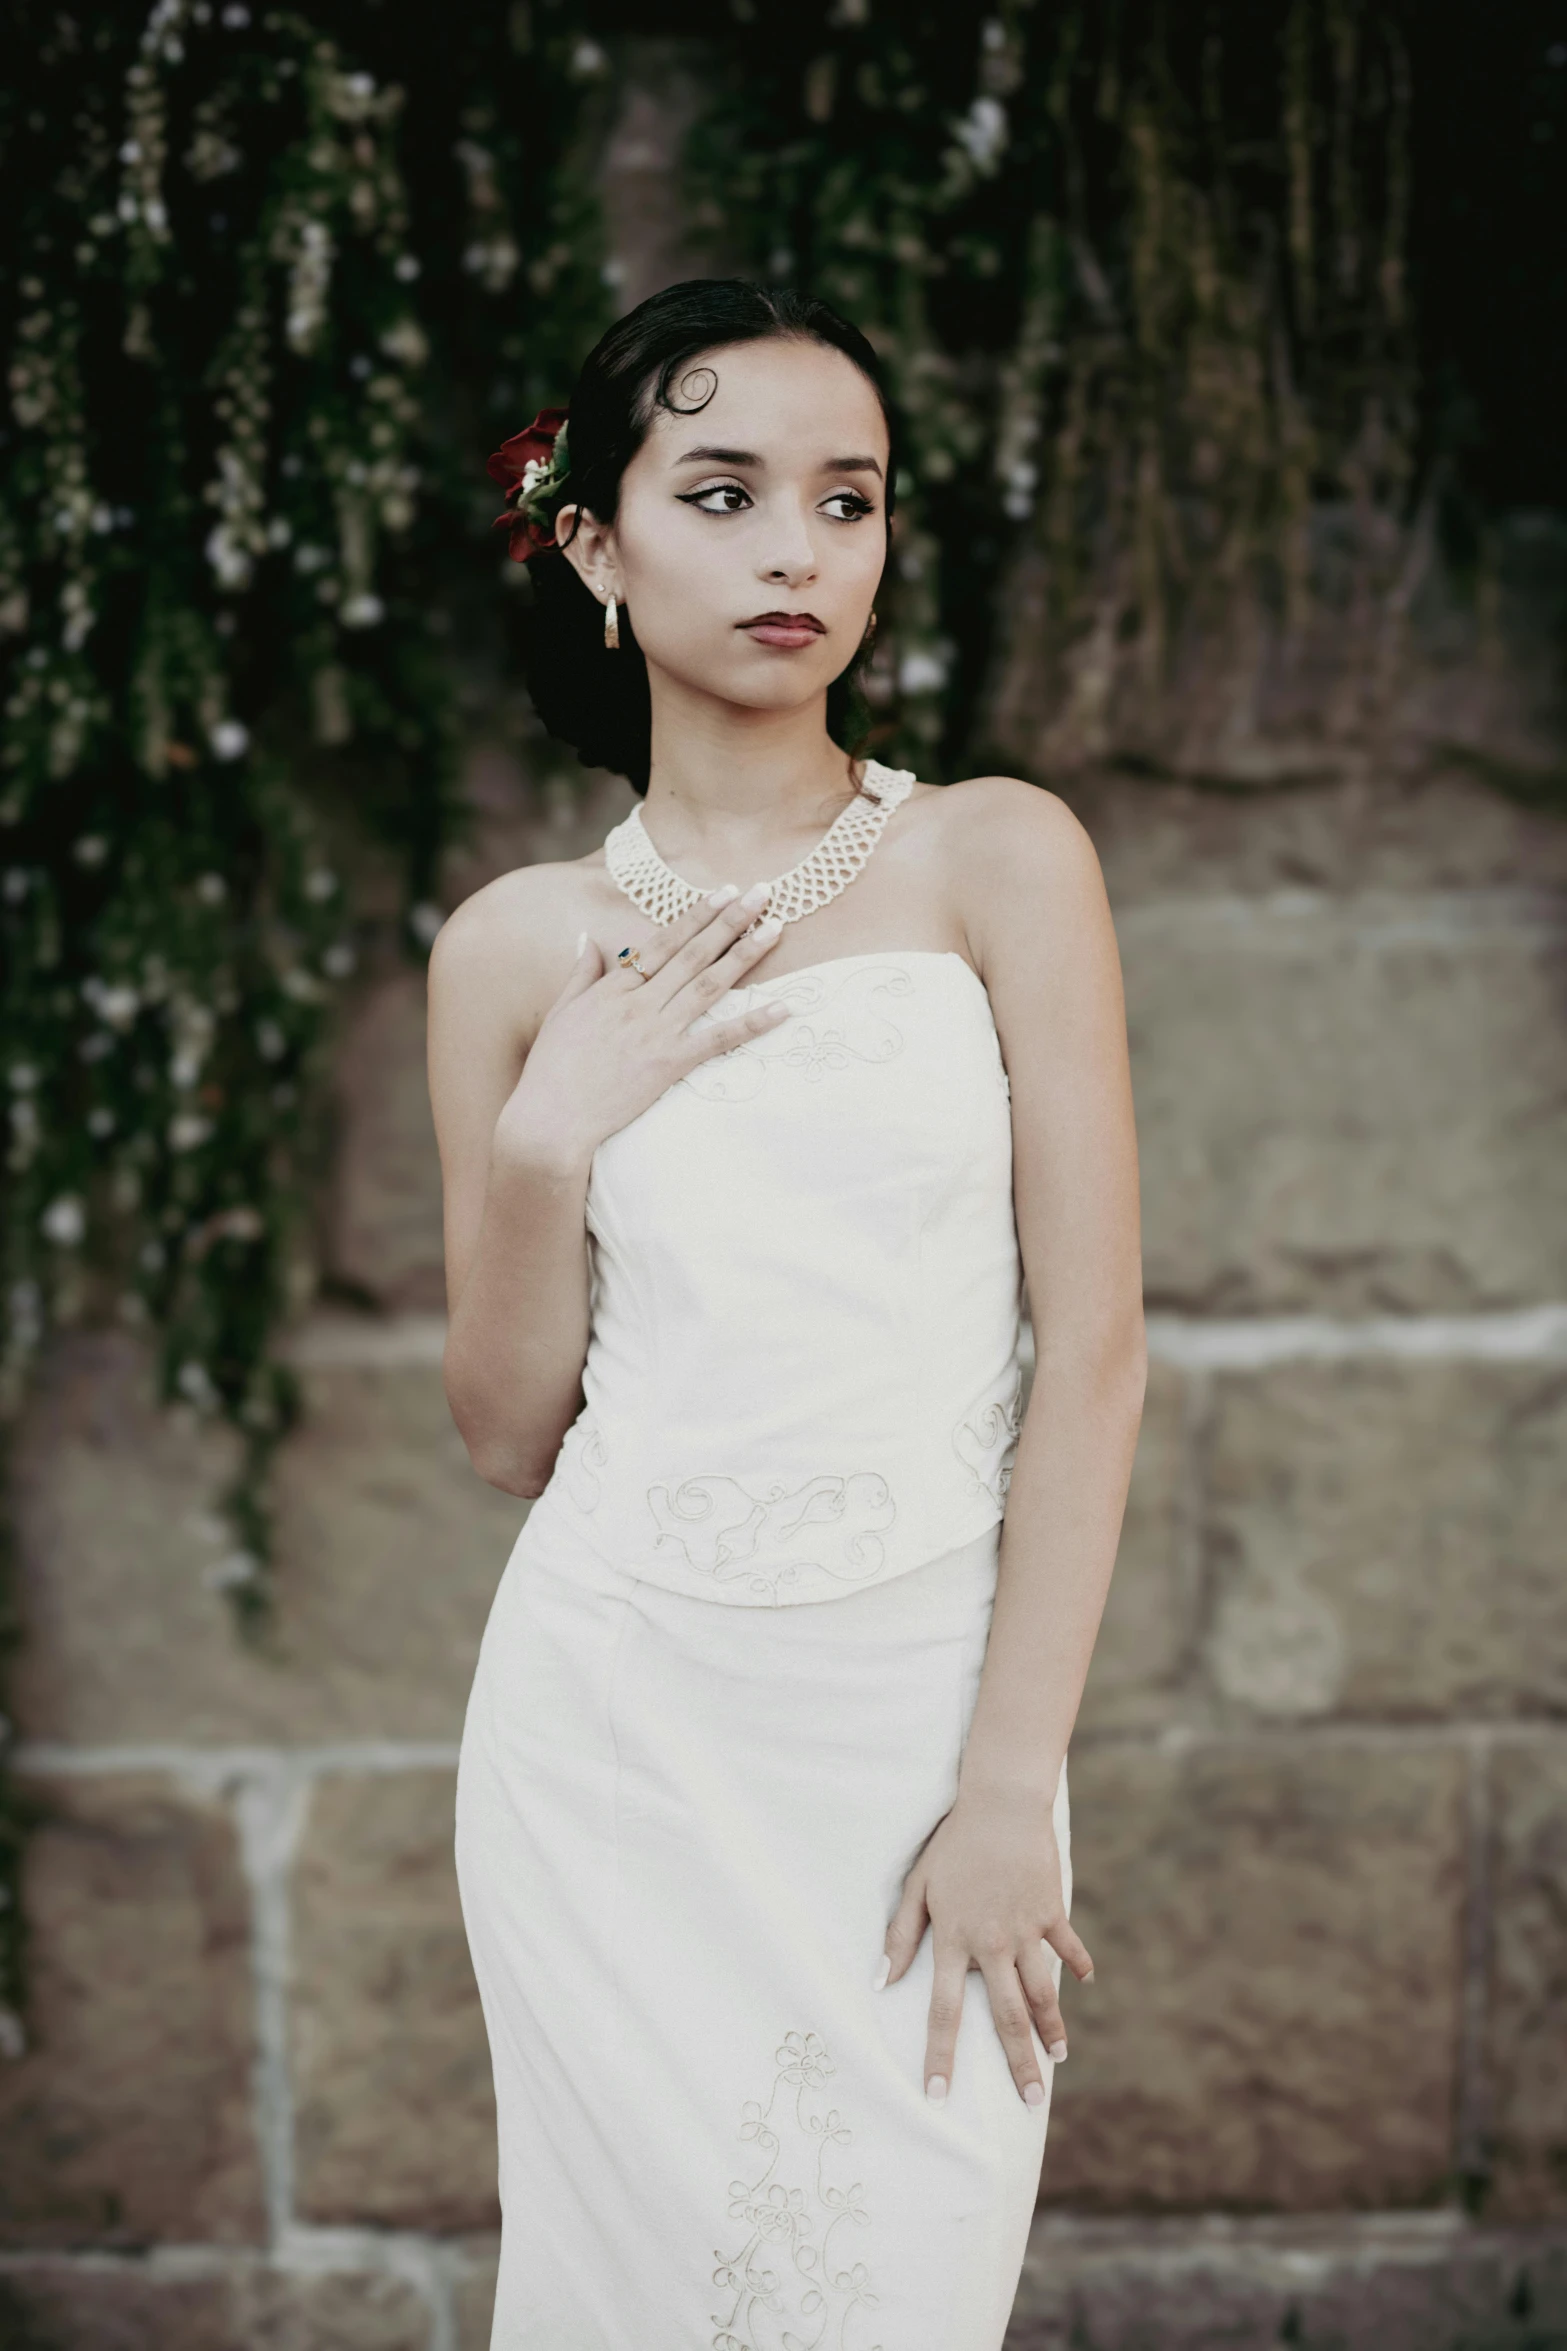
<point x="681" y="1832"/>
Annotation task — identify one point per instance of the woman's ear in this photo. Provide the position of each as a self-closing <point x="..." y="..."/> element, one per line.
<point x="588" y="547"/>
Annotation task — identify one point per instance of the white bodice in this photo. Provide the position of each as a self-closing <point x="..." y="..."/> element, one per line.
<point x="802" y="1375"/>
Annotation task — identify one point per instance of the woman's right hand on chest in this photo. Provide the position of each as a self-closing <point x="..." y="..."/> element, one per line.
<point x="612" y="1041"/>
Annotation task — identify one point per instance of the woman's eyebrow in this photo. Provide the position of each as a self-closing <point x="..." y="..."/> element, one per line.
<point x="713" y="456"/>
<point x="720" y="457"/>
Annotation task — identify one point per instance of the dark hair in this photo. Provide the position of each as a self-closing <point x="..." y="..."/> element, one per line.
<point x="593" y="699"/>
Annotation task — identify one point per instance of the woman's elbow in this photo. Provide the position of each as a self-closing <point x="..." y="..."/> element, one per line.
<point x="502" y="1469"/>
<point x="495" y="1458"/>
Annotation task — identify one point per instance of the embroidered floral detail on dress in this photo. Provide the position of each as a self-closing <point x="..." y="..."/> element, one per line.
<point x="791" y="2281"/>
<point x="835" y="1525"/>
<point x="835" y="1023"/>
<point x="985" y="1443"/>
<point x="583" y="1460"/>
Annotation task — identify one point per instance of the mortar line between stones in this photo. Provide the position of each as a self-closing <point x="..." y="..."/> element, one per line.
<point x="1161" y="2237"/>
<point x="207" y="1770"/>
<point x="270" y="1805"/>
<point x="1531" y="1334"/>
<point x="1277" y="923"/>
<point x="1190" y="1517"/>
<point x="213" y="1770"/>
<point x="1526" y="1334"/>
<point x="1473" y="2117"/>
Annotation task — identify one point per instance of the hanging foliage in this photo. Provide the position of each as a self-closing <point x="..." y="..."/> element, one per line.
<point x="1140" y="277"/>
<point x="257" y="260"/>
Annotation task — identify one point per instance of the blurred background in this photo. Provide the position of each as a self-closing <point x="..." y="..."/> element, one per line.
<point x="1230" y="342"/>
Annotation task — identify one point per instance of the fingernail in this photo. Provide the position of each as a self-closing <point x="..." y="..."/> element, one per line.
<point x="1034" y="2094"/>
<point x="722" y="895"/>
<point x="936" y="2088"/>
<point x="582" y="940"/>
<point x="1086" y="1979"/>
<point x="1057" y="2051"/>
<point x="883" y="1971"/>
<point x="757" y="896"/>
<point x="768" y="929"/>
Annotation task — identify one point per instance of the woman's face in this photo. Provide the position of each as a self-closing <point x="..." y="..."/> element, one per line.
<point x="751" y="535"/>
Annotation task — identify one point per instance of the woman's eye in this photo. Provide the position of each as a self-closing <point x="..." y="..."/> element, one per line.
<point x="848" y="506"/>
<point x="717" y="498"/>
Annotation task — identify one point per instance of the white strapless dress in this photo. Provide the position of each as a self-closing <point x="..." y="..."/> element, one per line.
<point x="722" y="1699"/>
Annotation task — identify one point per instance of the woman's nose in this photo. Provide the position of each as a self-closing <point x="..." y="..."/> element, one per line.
<point x="791" y="556"/>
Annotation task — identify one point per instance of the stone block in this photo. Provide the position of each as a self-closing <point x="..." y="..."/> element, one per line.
<point x="242" y="2306"/>
<point x="1526" y="2024"/>
<point x="1430" y="2284"/>
<point x="1160" y="839"/>
<point x="385" y="1223"/>
<point x="390" y="1549"/>
<point x="1145" y="1639"/>
<point x="1350" y="1106"/>
<point x="1276" y="1928"/>
<point x="1385" y="1539"/>
<point x="130" y="2119"/>
<point x="394" y="2109"/>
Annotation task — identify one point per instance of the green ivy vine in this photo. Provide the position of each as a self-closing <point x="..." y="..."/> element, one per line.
<point x="275" y="281"/>
<point x="1140" y="276"/>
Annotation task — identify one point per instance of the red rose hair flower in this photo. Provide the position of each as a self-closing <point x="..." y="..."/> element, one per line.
<point x="530" y="468"/>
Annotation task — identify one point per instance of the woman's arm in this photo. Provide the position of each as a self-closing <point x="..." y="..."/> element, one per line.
<point x="989" y="1880"/>
<point x="523" y="1091"/>
<point x="515" y="1231"/>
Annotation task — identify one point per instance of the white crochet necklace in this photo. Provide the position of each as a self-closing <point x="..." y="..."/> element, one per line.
<point x="831" y="866"/>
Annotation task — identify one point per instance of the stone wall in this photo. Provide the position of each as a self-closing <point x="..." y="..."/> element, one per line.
<point x="1320" y="1784"/>
<point x="1316" y="2095"/>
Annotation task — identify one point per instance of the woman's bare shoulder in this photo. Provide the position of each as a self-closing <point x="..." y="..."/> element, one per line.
<point x="511" y="944"/>
<point x="1006" y="840"/>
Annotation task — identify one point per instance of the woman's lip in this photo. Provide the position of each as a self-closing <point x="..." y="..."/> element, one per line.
<point x="784" y="628"/>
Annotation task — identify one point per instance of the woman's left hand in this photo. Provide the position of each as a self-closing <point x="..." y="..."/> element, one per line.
<point x="988" y="1884"/>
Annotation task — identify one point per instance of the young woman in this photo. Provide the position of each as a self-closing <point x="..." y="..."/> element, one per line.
<point x="751" y="1123"/>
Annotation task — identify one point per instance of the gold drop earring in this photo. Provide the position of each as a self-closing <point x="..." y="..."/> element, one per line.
<point x="611" y="625"/>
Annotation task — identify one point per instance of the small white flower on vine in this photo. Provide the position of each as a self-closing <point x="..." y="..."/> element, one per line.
<point x="982" y="132"/>
<point x="64" y="1221"/>
<point x="406" y="343"/>
<point x="231" y="1574"/>
<point x="229" y="739"/>
<point x="119" y="1006"/>
<point x="922" y="672"/>
<point x="194" y="1381"/>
